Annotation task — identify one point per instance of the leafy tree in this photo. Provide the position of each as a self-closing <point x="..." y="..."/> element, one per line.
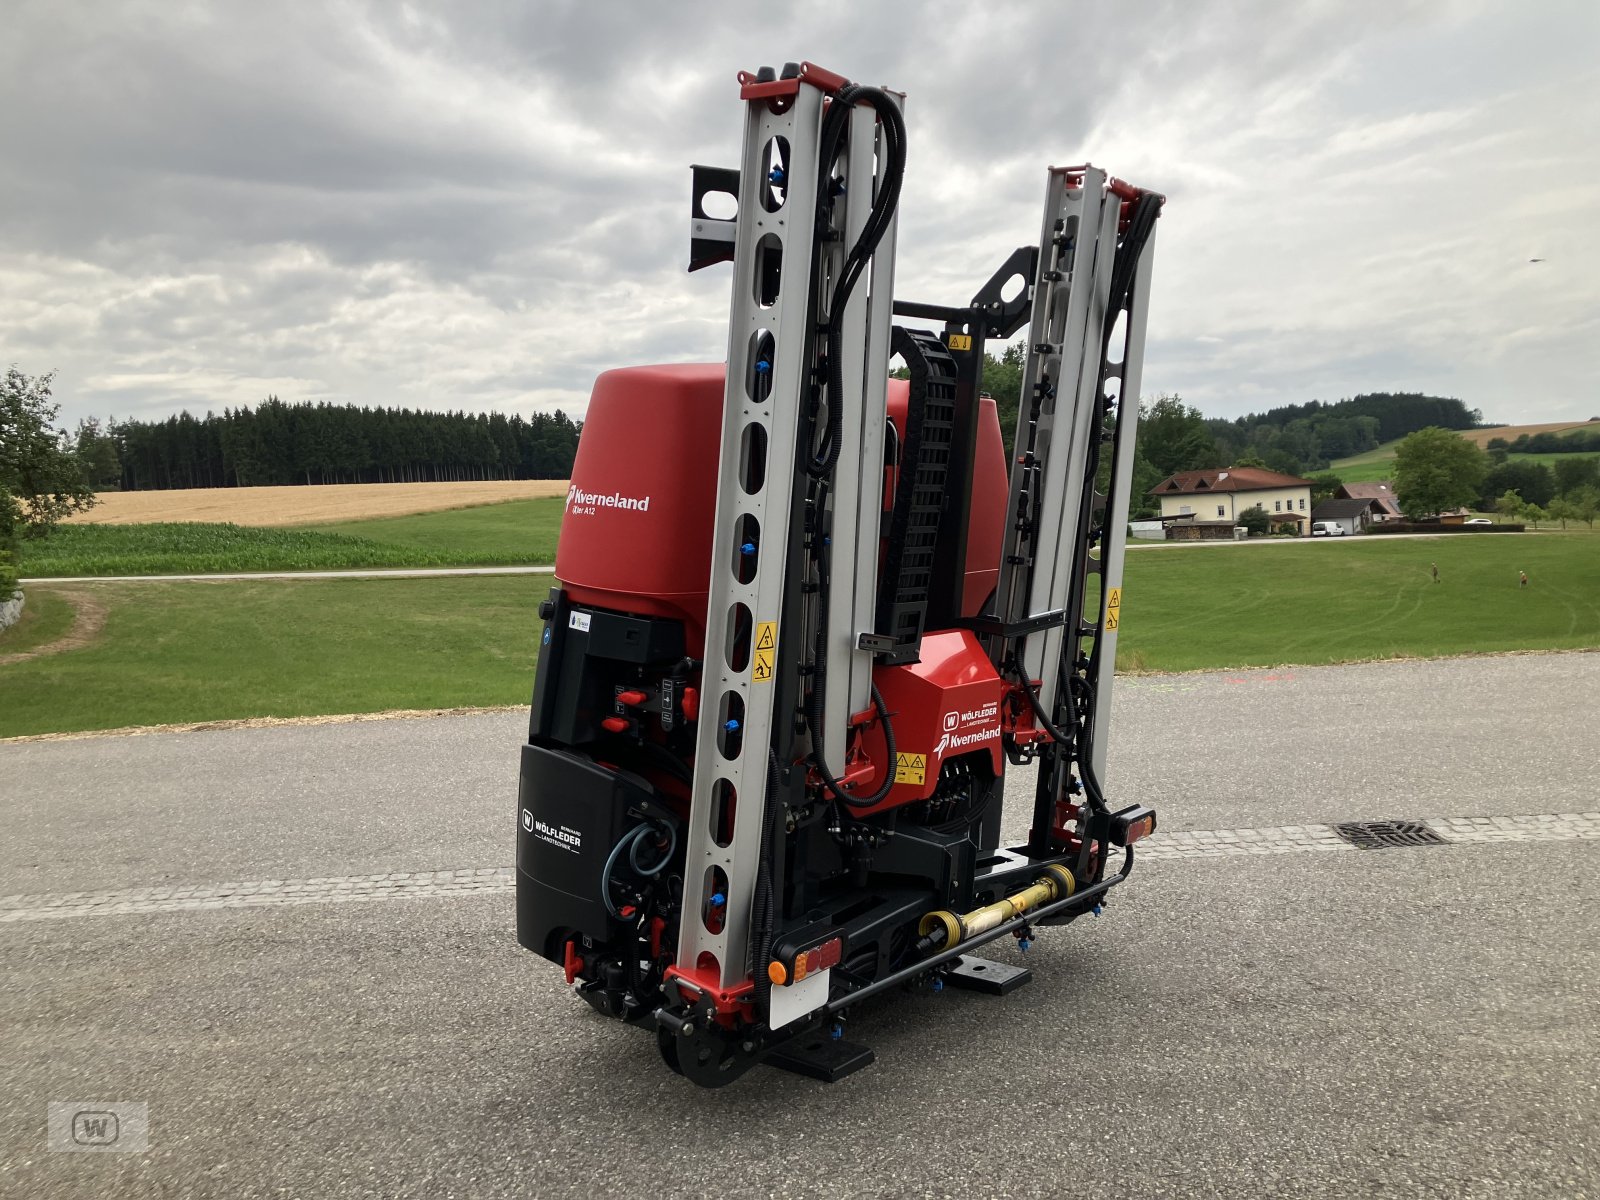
<point x="1256" y="520"/>
<point x="1533" y="514"/>
<point x="1563" y="510"/>
<point x="36" y="465"/>
<point x="10" y="520"/>
<point x="1509" y="506"/>
<point x="1323" y="487"/>
<point x="1574" y="473"/>
<point x="97" y="455"/>
<point x="1533" y="481"/>
<point x="1172" y="436"/>
<point x="1283" y="462"/>
<point x="1436" y="470"/>
<point x="1586" y="501"/>
<point x="1250" y="459"/>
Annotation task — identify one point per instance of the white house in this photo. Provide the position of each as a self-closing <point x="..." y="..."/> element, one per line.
<point x="1220" y="496"/>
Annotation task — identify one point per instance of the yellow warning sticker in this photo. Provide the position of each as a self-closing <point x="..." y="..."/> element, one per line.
<point x="910" y="768"/>
<point x="1113" y="607"/>
<point x="766" y="650"/>
<point x="961" y="341"/>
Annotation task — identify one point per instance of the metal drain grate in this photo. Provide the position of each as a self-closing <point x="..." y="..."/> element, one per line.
<point x="1381" y="835"/>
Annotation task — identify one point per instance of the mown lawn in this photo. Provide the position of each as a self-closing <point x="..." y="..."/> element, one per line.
<point x="45" y="617"/>
<point x="514" y="533"/>
<point x="1189" y="607"/>
<point x="179" y="652"/>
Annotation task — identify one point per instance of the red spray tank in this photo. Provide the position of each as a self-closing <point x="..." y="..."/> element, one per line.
<point x="637" y="533"/>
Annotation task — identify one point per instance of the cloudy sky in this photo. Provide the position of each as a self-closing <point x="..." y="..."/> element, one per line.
<point x="483" y="205"/>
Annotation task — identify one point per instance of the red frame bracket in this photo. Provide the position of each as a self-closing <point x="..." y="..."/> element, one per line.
<point x="824" y="80"/>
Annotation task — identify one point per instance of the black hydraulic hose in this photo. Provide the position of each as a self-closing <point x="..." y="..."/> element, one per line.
<point x="764" y="919"/>
<point x="1060" y="738"/>
<point x="1142" y="220"/>
<point x="877" y="224"/>
<point x="822" y="463"/>
<point x="815" y="705"/>
<point x="1091" y="780"/>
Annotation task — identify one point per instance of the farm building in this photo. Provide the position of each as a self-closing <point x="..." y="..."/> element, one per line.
<point x="1380" y="490"/>
<point x="1353" y="516"/>
<point x="1218" y="497"/>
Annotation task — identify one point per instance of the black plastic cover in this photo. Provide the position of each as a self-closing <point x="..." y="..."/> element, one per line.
<point x="571" y="812"/>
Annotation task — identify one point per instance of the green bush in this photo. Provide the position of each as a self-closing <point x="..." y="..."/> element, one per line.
<point x="10" y="519"/>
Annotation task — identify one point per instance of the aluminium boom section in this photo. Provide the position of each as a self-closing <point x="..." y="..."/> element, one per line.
<point x="772" y="357"/>
<point x="857" y="497"/>
<point x="1114" y="525"/>
<point x="1061" y="379"/>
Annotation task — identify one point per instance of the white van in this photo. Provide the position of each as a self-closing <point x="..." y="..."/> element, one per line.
<point x="1326" y="529"/>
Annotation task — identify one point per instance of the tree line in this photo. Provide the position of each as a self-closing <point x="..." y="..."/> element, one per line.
<point x="280" y="443"/>
<point x="1295" y="439"/>
<point x="1571" y="441"/>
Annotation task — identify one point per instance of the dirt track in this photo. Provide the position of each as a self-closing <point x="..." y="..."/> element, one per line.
<point x="306" y="505"/>
<point x="89" y="616"/>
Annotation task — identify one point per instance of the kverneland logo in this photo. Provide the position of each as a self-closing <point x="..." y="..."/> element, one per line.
<point x="960" y="741"/>
<point x="579" y="500"/>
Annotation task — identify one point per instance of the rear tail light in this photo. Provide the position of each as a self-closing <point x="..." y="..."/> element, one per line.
<point x="1132" y="823"/>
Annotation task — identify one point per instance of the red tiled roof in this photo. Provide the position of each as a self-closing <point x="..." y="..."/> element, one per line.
<point x="1225" y="479"/>
<point x="1382" y="491"/>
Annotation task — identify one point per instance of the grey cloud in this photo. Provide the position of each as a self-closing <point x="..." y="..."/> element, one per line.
<point x="484" y="204"/>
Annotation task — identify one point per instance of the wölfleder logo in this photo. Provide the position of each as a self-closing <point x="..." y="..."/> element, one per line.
<point x="580" y="501"/>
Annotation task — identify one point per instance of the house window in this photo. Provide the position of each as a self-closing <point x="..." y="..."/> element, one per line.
<point x="1277" y="506"/>
<point x="1221" y="512"/>
<point x="1184" y="510"/>
<point x="1302" y="506"/>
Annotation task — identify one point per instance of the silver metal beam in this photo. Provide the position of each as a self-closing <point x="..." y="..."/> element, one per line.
<point x="750" y="574"/>
<point x="1114" y="540"/>
<point x="762" y="406"/>
<point x="857" y="496"/>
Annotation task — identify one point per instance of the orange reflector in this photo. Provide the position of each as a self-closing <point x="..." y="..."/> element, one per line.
<point x="1141" y="828"/>
<point x="777" y="974"/>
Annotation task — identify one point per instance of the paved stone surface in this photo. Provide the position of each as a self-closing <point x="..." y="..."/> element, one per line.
<point x="1242" y="1021"/>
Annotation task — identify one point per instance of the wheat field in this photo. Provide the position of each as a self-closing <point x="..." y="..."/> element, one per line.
<point x="309" y="505"/>
<point x="1512" y="432"/>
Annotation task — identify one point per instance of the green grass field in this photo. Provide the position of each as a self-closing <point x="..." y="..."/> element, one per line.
<point x="516" y="532"/>
<point x="1188" y="608"/>
<point x="45" y="617"/>
<point x="1378" y="463"/>
<point x="180" y="652"/>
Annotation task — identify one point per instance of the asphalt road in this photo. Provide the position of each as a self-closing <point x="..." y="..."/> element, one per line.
<point x="1397" y="1022"/>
